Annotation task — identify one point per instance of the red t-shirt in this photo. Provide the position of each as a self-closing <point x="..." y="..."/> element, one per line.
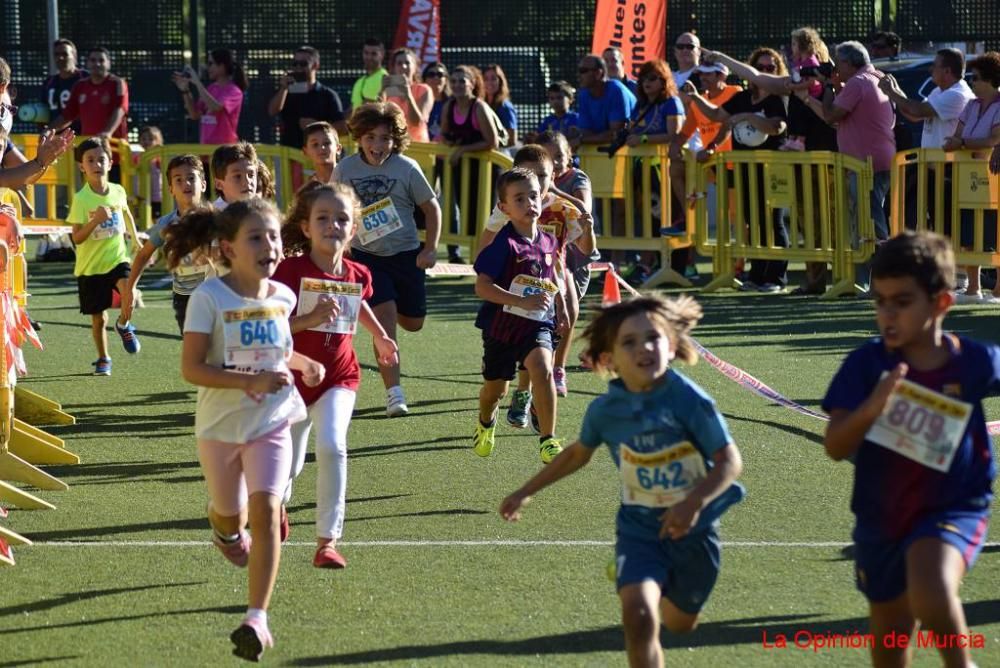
<point x="333" y="351"/>
<point x="93" y="103"/>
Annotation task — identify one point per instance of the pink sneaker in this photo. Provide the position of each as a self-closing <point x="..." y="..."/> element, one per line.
<point x="328" y="557"/>
<point x="559" y="375"/>
<point x="237" y="553"/>
<point x="251" y="638"/>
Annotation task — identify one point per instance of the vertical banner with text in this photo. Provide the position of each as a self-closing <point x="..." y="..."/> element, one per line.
<point x="420" y="29"/>
<point x="637" y="27"/>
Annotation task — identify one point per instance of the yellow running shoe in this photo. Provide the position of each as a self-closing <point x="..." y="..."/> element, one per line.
<point x="550" y="449"/>
<point x="484" y="440"/>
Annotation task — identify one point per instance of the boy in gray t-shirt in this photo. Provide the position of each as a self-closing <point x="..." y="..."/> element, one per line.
<point x="390" y="187"/>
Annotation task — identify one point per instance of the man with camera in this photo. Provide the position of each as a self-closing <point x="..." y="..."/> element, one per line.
<point x="301" y="99"/>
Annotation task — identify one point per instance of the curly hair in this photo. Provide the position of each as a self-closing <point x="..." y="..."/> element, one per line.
<point x="988" y="67"/>
<point x="369" y="116"/>
<point x="675" y="318"/>
<point x="657" y="68"/>
<point x="809" y="43"/>
<point x="781" y="69"/>
<point x="265" y="181"/>
<point x="472" y="72"/>
<point x="203" y="225"/>
<point x="293" y="238"/>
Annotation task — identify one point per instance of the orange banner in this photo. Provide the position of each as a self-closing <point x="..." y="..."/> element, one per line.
<point x="637" y="27"/>
<point x="419" y="28"/>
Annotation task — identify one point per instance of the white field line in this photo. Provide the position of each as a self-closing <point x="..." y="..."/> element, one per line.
<point x="437" y="543"/>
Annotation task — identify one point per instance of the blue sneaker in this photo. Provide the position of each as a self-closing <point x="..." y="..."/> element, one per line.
<point x="102" y="367"/>
<point x="517" y="414"/>
<point x="129" y="340"/>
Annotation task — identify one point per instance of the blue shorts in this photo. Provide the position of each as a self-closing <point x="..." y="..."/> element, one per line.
<point x="685" y="569"/>
<point x="880" y="567"/>
<point x="396" y="278"/>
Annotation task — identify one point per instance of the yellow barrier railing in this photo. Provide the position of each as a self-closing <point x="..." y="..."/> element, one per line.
<point x="625" y="186"/>
<point x="953" y="194"/>
<point x="830" y="221"/>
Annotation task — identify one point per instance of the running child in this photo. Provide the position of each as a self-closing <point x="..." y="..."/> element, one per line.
<point x="238" y="351"/>
<point x="390" y="186"/>
<point x="332" y="299"/>
<point x="186" y="178"/>
<point x="907" y="409"/>
<point x="234" y="170"/>
<point x="677" y="463"/>
<point x="98" y="214"/>
<point x="321" y="146"/>
<point x="573" y="229"/>
<point x="516" y="277"/>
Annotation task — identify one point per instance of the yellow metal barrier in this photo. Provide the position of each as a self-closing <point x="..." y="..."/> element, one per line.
<point x="953" y="191"/>
<point x="625" y="185"/>
<point x="828" y="224"/>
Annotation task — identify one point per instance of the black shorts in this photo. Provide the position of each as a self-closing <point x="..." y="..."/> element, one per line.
<point x="96" y="291"/>
<point x="501" y="360"/>
<point x="396" y="278"/>
<point x="180" y="309"/>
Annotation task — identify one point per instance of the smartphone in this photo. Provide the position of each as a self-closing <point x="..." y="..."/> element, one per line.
<point x="298" y="87"/>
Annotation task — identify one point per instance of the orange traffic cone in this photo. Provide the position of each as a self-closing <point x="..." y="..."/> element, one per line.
<point x="612" y="293"/>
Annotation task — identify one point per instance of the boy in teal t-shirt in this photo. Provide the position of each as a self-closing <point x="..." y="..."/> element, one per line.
<point x="98" y="215"/>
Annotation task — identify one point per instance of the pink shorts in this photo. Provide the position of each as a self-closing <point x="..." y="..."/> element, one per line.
<point x="234" y="471"/>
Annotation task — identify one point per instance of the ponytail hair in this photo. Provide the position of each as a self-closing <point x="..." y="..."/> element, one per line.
<point x="234" y="69"/>
<point x="201" y="226"/>
<point x="674" y="318"/>
<point x="293" y="239"/>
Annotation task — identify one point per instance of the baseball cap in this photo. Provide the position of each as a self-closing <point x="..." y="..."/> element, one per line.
<point x="714" y="67"/>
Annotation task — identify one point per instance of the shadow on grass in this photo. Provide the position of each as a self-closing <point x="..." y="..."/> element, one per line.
<point x="397" y="448"/>
<point x="791" y="429"/>
<point x="74" y="597"/>
<point x="138" y="426"/>
<point x="222" y="610"/>
<point x="96" y="533"/>
<point x="41" y="661"/>
<point x="120" y="471"/>
<point x="422" y="513"/>
<point x="747" y="631"/>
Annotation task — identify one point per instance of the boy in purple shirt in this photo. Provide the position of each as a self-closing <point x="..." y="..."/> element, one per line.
<point x="907" y="408"/>
<point x="522" y="306"/>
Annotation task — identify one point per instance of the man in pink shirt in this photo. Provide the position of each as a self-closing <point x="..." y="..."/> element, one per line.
<point x="864" y="118"/>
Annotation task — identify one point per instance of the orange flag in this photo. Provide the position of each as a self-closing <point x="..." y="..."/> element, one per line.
<point x="637" y="27"/>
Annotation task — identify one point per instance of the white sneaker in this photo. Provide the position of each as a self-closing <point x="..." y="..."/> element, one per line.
<point x="395" y="402"/>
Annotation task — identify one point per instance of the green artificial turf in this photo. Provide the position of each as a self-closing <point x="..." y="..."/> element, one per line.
<point x="147" y="588"/>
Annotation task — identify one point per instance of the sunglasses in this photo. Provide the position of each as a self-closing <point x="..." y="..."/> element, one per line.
<point x="767" y="68"/>
<point x="685" y="47"/>
<point x="300" y="63"/>
<point x="435" y="74"/>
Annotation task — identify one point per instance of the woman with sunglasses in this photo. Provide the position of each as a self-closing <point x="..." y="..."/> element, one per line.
<point x="218" y="105"/>
<point x="435" y="76"/>
<point x="979" y="129"/>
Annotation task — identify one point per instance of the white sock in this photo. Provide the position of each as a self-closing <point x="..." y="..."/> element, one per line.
<point x="258" y="614"/>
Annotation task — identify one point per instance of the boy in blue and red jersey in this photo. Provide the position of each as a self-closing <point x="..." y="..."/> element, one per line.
<point x="907" y="407"/>
<point x="516" y="278"/>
